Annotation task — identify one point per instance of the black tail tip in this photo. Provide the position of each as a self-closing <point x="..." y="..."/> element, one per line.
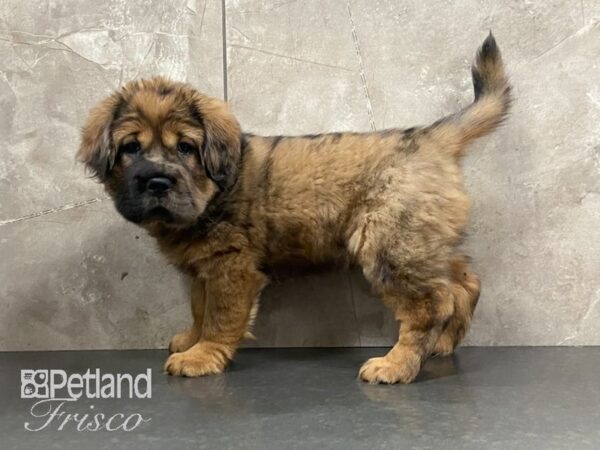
<point x="483" y="67"/>
<point x="489" y="48"/>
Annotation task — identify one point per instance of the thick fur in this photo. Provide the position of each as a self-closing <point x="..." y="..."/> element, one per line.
<point x="392" y="202"/>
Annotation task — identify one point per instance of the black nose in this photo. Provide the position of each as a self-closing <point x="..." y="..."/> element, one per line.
<point x="158" y="185"/>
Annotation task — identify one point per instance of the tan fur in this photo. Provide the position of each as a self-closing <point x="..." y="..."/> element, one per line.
<point x="392" y="202"/>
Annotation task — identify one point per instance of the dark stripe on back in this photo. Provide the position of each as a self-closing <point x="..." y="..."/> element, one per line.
<point x="163" y="91"/>
<point x="276" y="140"/>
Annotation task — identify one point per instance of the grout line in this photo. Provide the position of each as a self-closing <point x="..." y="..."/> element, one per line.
<point x="363" y="78"/>
<point x="51" y="211"/>
<point x="224" y="33"/>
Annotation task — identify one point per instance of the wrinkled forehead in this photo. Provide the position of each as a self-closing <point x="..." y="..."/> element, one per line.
<point x="157" y="116"/>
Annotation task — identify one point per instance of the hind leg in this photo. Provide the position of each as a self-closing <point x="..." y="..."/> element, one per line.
<point x="422" y="320"/>
<point x="464" y="289"/>
<point x="413" y="281"/>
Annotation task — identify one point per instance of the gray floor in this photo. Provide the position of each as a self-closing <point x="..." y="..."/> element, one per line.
<point x="302" y="398"/>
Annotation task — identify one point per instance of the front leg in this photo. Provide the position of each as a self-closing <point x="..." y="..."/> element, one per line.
<point x="232" y="284"/>
<point x="184" y="340"/>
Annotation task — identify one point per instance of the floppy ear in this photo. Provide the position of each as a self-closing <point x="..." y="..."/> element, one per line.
<point x="97" y="151"/>
<point x="221" y="151"/>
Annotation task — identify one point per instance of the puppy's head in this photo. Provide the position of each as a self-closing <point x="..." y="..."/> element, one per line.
<point x="162" y="150"/>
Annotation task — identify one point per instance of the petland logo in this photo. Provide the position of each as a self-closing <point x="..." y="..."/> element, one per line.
<point x="54" y="389"/>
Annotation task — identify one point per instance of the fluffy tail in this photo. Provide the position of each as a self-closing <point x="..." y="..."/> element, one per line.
<point x="490" y="108"/>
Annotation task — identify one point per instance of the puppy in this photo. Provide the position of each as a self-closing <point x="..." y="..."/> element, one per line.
<point x="224" y="206"/>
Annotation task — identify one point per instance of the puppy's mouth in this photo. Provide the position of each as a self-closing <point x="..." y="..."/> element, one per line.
<point x="159" y="214"/>
<point x="167" y="212"/>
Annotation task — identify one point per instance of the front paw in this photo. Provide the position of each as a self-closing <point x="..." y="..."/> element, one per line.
<point x="383" y="370"/>
<point x="183" y="341"/>
<point x="203" y="358"/>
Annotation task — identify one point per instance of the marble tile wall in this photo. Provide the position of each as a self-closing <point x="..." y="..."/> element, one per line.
<point x="73" y="274"/>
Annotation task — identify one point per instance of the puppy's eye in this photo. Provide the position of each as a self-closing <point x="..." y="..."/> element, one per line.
<point x="130" y="148"/>
<point x="185" y="149"/>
